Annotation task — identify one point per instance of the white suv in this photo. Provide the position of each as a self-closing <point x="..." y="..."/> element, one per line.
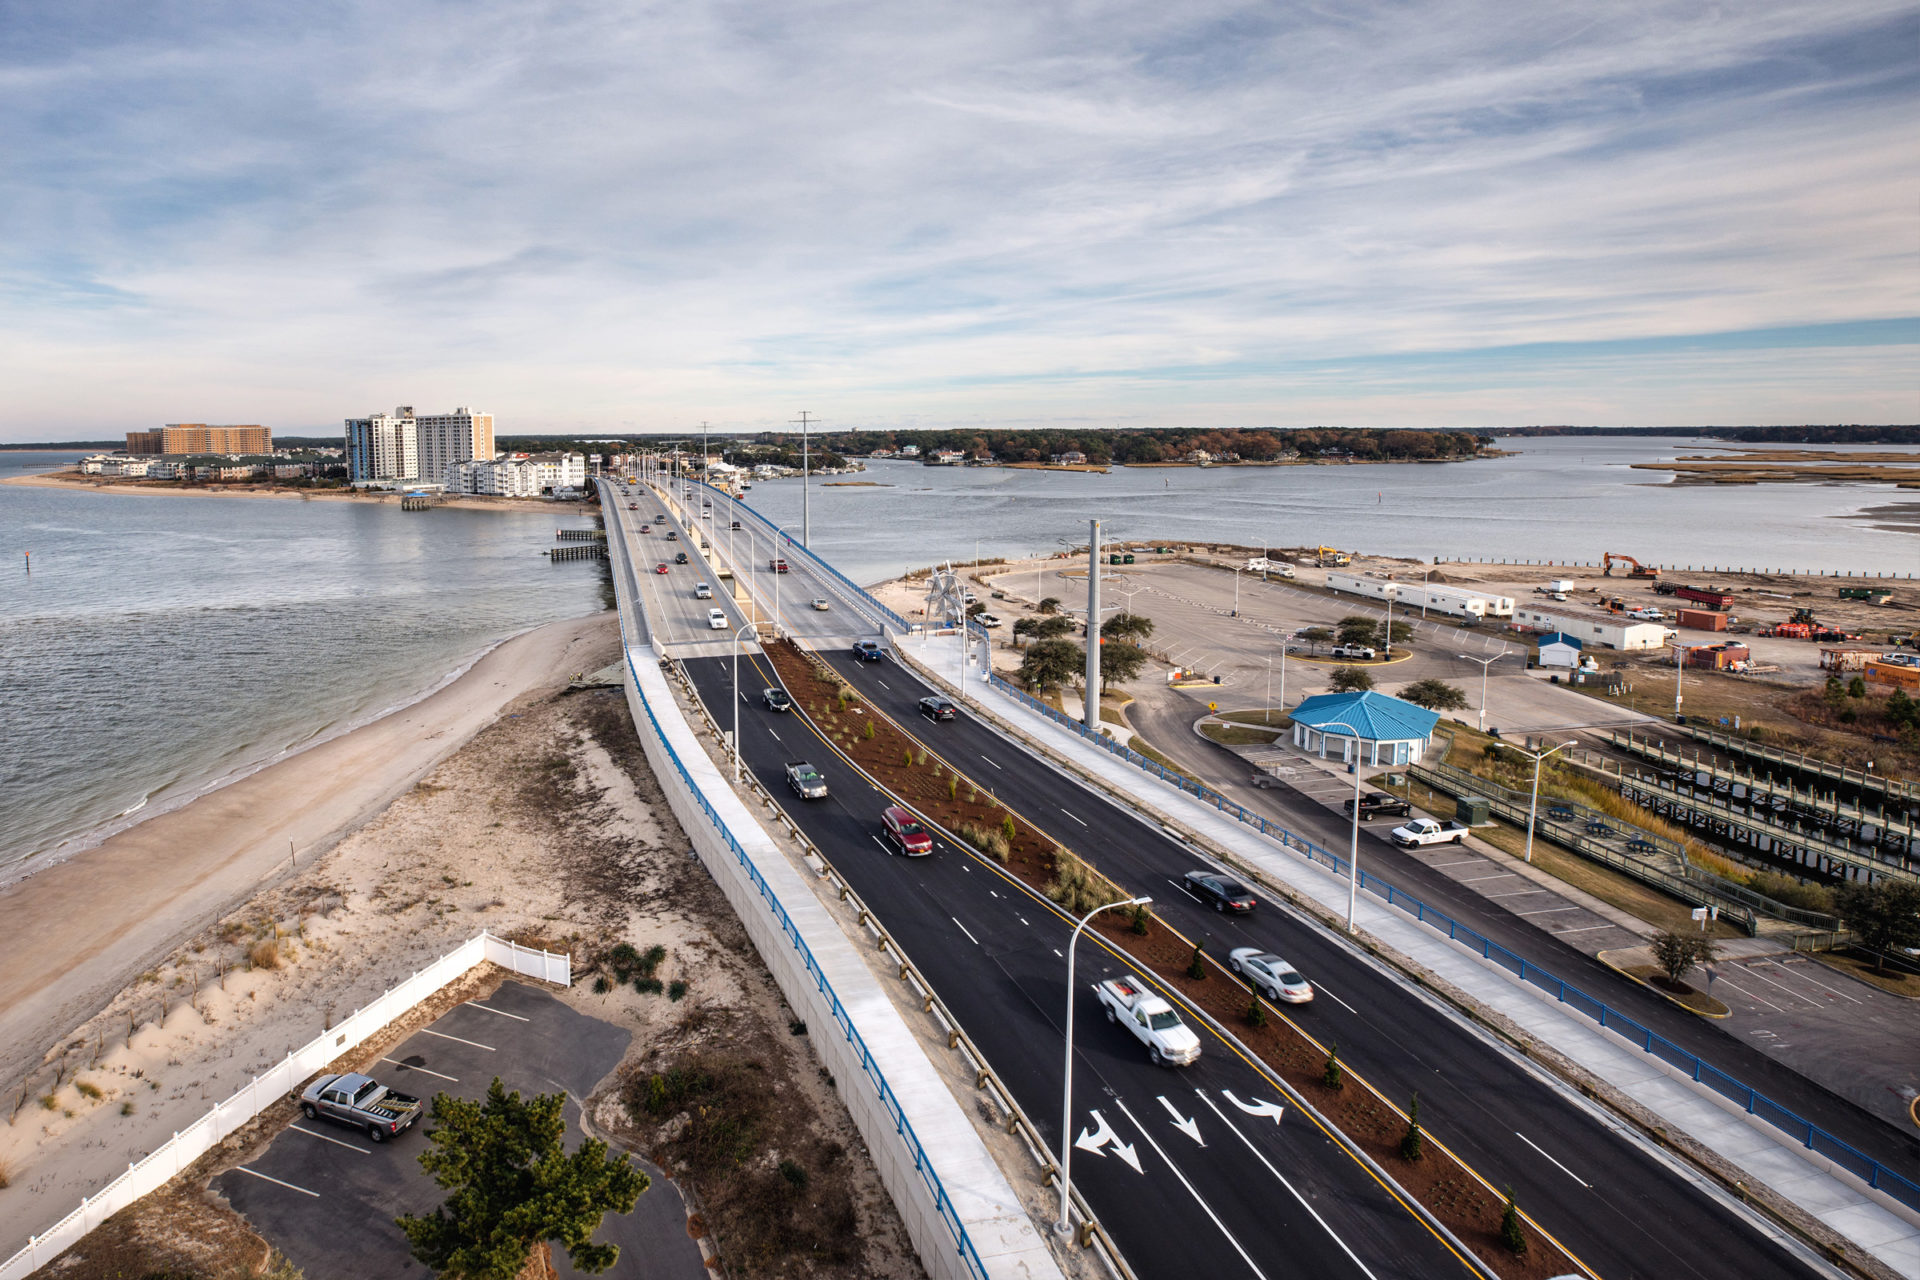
<point x="701" y="591"/>
<point x="717" y="619"/>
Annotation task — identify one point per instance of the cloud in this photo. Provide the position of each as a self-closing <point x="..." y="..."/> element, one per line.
<point x="595" y="213"/>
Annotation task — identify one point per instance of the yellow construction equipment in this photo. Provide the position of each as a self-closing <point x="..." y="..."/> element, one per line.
<point x="1635" y="568"/>
<point x="1332" y="555"/>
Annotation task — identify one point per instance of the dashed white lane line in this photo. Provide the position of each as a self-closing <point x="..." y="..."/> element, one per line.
<point x="365" y="1151"/>
<point x="1321" y="990"/>
<point x="422" y="1070"/>
<point x="276" y="1182"/>
<point x="1550" y="1160"/>
<point x="429" y="1031"/>
<point x="883" y="684"/>
<point x="776" y="737"/>
<point x="500" y="1012"/>
<point x="882" y="844"/>
<point x="970" y="938"/>
<point x="1082" y="823"/>
<point x="989" y="760"/>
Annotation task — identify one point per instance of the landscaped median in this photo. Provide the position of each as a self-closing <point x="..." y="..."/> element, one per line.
<point x="1464" y="1203"/>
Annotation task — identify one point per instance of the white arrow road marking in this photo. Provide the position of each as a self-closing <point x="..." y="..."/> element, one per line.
<point x="1195" y="1194"/>
<point x="1257" y="1107"/>
<point x="1180" y="1122"/>
<point x="1094" y="1140"/>
<point x="1283" y="1182"/>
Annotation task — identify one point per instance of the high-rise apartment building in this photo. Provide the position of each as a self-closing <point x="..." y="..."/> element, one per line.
<point x="448" y="439"/>
<point x="383" y="448"/>
<point x="423" y="448"/>
<point x="185" y="439"/>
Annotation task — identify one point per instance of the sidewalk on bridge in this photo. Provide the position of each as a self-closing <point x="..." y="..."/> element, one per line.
<point x="1797" y="1176"/>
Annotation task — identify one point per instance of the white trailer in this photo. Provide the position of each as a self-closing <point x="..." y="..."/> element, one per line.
<point x="1607" y="633"/>
<point x="1354" y="584"/>
<point x="1448" y="600"/>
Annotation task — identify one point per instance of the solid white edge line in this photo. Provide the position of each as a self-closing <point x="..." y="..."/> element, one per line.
<point x="1196" y="1195"/>
<point x="970" y="938"/>
<point x="1206" y="1098"/>
<point x="503" y="1013"/>
<point x="410" y="1067"/>
<point x="1550" y="1160"/>
<point x="365" y="1151"/>
<point x="429" y="1031"/>
<point x="240" y="1168"/>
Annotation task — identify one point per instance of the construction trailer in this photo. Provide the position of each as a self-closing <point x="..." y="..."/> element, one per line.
<point x="1354" y="584"/>
<point x="1458" y="601"/>
<point x="1847" y="658"/>
<point x="1609" y="633"/>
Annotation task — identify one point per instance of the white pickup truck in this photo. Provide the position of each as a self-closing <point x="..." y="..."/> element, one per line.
<point x="1151" y="1019"/>
<point x="1427" y="831"/>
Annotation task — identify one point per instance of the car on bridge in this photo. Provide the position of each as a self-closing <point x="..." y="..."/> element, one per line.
<point x="906" y="833"/>
<point x="1271" y="976"/>
<point x="776" y="699"/>
<point x="672" y="536"/>
<point x="633" y="506"/>
<point x="938" y="708"/>
<point x="661" y="567"/>
<point x="734" y="525"/>
<point x="701" y="591"/>
<point x="717" y="619"/>
<point x="360" y="1102"/>
<point x="777" y="565"/>
<point x="868" y="650"/>
<point x="806" y="781"/>
<point x="646" y="528"/>
<point x="1129" y="1001"/>
<point x="681" y="558"/>
<point x="1222" y="893"/>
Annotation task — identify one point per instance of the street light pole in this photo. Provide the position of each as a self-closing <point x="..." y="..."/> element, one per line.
<point x="1353" y="840"/>
<point x="806" y="522"/>
<point x="1062" y="1227"/>
<point x="1236" y="592"/>
<point x="737" y="636"/>
<point x="1533" y="808"/>
<point x="1485" y="663"/>
<point x="1092" y="717"/>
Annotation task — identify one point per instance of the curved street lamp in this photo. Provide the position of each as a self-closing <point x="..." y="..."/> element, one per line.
<point x="1062" y="1227"/>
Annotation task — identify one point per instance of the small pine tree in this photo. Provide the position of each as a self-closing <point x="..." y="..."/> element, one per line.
<point x="1139" y="914"/>
<point x="906" y="759"/>
<point x="953" y="788"/>
<point x="1009" y="830"/>
<point x="1256" y="1013"/>
<point x="1410" y="1140"/>
<point x="1511" y="1234"/>
<point x="866" y="731"/>
<point x="1195" y="969"/>
<point x="1331" y="1076"/>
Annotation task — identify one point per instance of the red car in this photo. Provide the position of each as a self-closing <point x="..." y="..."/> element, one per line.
<point x="661" y="567"/>
<point x="646" y="528"/>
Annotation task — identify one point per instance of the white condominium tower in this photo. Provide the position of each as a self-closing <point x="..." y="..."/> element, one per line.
<point x="402" y="446"/>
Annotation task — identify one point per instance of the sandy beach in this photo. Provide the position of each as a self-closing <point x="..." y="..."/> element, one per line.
<point x="79" y="931"/>
<point x="73" y="480"/>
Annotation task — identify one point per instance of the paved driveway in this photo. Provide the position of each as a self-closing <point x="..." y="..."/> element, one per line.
<point x="327" y="1197"/>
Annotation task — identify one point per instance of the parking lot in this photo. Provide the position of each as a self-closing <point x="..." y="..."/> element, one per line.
<point x="327" y="1197"/>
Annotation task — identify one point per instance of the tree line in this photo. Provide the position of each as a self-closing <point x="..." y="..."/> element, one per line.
<point x="1133" y="446"/>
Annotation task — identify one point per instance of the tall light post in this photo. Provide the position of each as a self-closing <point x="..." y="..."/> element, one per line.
<point x="1533" y="809"/>
<point x="1092" y="720"/>
<point x="806" y="520"/>
<point x="738" y="635"/>
<point x="1485" y="663"/>
<point x="1386" y="643"/>
<point x="1062" y="1227"/>
<point x="1236" y="591"/>
<point x="1266" y="713"/>
<point x="1353" y="839"/>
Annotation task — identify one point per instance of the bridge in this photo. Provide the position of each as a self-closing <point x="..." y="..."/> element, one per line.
<point x="1178" y="1178"/>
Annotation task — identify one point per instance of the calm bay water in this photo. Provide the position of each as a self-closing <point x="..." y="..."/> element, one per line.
<point x="160" y="644"/>
<point x="1561" y="498"/>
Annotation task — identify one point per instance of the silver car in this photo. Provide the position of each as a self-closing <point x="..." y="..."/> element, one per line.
<point x="1271" y="976"/>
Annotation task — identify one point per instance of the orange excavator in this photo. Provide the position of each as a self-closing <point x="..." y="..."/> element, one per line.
<point x="1635" y="568"/>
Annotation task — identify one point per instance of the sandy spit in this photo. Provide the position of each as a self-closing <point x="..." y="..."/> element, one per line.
<point x="73" y="480"/>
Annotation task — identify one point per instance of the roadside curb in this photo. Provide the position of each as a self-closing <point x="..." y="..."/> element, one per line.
<point x="1669" y="998"/>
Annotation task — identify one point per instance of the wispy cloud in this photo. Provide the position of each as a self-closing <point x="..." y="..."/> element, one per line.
<point x="598" y="213"/>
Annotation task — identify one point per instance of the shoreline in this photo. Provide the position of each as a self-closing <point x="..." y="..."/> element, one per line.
<point x="79" y="930"/>
<point x="72" y="482"/>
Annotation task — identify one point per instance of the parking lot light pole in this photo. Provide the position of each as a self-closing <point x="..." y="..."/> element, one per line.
<point x="738" y="634"/>
<point x="1353" y="840"/>
<point x="1485" y="663"/>
<point x="1062" y="1227"/>
<point x="1533" y="808"/>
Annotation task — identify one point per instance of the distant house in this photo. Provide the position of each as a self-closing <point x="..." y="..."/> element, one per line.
<point x="909" y="450"/>
<point x="1071" y="458"/>
<point x="1558" y="649"/>
<point x="946" y="458"/>
<point x="1199" y="457"/>
<point x="1386" y="730"/>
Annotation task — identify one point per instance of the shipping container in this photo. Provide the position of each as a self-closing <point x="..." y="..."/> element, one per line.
<point x="1703" y="620"/>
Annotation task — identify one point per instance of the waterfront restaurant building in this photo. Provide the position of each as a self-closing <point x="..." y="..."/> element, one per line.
<point x="1391" y="731"/>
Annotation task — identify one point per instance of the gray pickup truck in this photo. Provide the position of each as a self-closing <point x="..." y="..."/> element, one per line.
<point x="360" y="1102"/>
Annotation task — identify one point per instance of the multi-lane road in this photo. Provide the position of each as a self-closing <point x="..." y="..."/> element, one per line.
<point x="1187" y="1169"/>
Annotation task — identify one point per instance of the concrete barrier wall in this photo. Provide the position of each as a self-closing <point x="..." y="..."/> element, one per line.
<point x="962" y="1214"/>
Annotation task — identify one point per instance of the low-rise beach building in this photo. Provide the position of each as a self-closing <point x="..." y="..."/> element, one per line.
<point x="1385" y="731"/>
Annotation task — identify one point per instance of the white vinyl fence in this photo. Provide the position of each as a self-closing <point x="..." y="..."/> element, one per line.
<point x="276" y="1082"/>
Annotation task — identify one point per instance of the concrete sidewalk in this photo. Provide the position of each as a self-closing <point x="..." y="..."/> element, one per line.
<point x="1875" y="1223"/>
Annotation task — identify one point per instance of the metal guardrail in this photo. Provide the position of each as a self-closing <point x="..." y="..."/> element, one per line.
<point x="1887" y="1181"/>
<point x="1690" y="882"/>
<point x="922" y="1161"/>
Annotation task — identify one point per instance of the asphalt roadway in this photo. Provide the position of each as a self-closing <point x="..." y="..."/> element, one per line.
<point x="1616" y="1208"/>
<point x="327" y="1197"/>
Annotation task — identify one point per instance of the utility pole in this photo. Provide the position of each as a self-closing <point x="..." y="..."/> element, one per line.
<point x="806" y="523"/>
<point x="705" y="474"/>
<point x="1093" y="627"/>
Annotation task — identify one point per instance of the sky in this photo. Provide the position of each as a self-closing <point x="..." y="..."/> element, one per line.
<point x="631" y="216"/>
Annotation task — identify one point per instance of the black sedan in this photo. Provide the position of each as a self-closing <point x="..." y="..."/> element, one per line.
<point x="776" y="699"/>
<point x="681" y="558"/>
<point x="937" y="708"/>
<point x="1222" y="893"/>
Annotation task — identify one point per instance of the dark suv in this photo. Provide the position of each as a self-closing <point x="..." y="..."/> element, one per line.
<point x="937" y="708"/>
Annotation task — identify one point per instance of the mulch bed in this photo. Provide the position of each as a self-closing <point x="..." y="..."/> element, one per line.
<point x="1454" y="1196"/>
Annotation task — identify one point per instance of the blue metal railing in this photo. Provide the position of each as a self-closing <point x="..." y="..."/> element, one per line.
<point x="899" y="622"/>
<point x="1815" y="1139"/>
<point x="921" y="1161"/>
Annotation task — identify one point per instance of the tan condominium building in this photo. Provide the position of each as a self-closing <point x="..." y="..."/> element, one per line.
<point x="448" y="439"/>
<point x="184" y="439"/>
<point x="404" y="446"/>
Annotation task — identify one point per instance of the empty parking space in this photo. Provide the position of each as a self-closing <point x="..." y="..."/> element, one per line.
<point x="327" y="1195"/>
